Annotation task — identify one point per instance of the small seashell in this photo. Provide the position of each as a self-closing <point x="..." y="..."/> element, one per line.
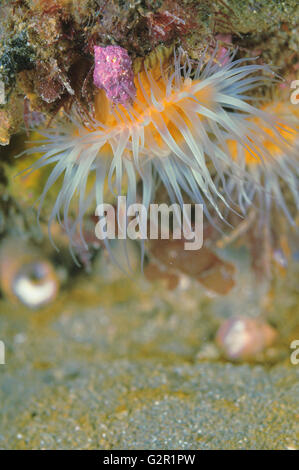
<point x="242" y="338"/>
<point x="25" y="276"/>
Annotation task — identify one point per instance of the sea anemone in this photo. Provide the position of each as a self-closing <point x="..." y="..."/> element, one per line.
<point x="175" y="128"/>
<point x="276" y="174"/>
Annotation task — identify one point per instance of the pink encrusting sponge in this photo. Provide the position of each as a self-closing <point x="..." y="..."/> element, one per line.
<point x="113" y="72"/>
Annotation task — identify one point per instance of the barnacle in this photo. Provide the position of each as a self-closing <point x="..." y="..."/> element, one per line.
<point x="176" y="128"/>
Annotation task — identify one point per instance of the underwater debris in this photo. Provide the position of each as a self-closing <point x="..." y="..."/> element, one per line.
<point x="203" y="265"/>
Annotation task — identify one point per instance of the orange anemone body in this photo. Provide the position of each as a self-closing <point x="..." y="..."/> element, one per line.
<point x="145" y="113"/>
<point x="275" y="143"/>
